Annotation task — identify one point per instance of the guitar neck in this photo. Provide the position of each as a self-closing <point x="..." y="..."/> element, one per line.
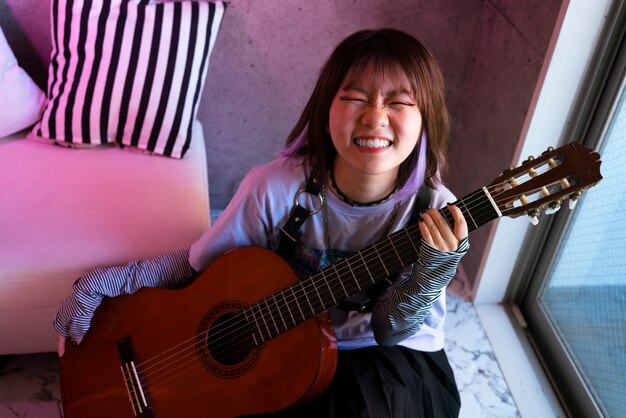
<point x="291" y="306"/>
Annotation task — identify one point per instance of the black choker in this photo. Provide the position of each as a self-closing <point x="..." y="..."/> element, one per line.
<point x="352" y="202"/>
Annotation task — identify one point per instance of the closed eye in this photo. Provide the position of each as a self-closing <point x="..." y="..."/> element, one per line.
<point x="401" y="104"/>
<point x="395" y="105"/>
<point x="351" y="99"/>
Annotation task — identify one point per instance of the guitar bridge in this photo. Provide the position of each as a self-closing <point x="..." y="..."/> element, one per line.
<point x="135" y="387"/>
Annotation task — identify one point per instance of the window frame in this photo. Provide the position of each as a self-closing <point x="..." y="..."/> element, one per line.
<point x="591" y="117"/>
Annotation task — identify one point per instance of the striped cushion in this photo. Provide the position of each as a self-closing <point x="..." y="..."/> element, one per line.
<point x="129" y="72"/>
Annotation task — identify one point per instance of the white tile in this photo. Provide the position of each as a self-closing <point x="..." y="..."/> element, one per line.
<point x="29" y="387"/>
<point x="522" y="371"/>
<point x="483" y="389"/>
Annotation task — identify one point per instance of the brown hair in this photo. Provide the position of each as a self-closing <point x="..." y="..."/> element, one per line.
<point x="387" y="50"/>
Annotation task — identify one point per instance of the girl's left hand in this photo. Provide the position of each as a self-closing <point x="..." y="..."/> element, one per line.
<point x="436" y="231"/>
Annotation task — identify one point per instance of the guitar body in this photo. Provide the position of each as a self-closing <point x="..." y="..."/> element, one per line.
<point x="167" y="330"/>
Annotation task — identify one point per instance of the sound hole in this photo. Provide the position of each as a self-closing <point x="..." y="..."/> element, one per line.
<point x="224" y="342"/>
<point x="227" y="342"/>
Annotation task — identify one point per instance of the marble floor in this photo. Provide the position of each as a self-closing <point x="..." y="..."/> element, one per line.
<point x="29" y="384"/>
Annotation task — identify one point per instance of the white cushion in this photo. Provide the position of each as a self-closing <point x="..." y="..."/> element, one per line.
<point x="21" y="100"/>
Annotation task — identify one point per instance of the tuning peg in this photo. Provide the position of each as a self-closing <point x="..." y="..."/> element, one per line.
<point x="533" y="217"/>
<point x="507" y="170"/>
<point x="530" y="158"/>
<point x="573" y="199"/>
<point x="553" y="207"/>
<point x="550" y="149"/>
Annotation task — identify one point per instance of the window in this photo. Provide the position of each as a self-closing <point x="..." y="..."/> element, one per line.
<point x="576" y="304"/>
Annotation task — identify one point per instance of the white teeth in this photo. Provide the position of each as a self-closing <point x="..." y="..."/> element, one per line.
<point x="372" y="143"/>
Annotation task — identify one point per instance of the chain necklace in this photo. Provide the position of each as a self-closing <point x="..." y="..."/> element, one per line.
<point x="327" y="237"/>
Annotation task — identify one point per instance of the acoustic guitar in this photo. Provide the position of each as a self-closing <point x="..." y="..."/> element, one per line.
<point x="249" y="337"/>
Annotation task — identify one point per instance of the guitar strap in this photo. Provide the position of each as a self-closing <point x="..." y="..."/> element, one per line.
<point x="288" y="234"/>
<point x="299" y="214"/>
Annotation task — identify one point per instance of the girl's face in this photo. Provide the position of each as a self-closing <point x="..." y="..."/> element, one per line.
<point x="374" y="124"/>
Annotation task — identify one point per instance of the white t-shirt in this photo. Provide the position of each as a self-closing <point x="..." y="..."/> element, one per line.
<point x="262" y="205"/>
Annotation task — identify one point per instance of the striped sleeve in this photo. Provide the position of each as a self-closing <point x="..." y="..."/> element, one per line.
<point x="171" y="270"/>
<point x="403" y="310"/>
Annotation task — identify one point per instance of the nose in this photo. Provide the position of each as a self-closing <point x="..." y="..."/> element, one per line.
<point x="375" y="115"/>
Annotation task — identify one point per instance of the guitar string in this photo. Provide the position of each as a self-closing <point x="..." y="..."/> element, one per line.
<point x="286" y="301"/>
<point x="196" y="371"/>
<point x="313" y="282"/>
<point x="180" y="371"/>
<point x="189" y="365"/>
<point x="378" y="247"/>
<point x="304" y="291"/>
<point x="278" y="305"/>
<point x="494" y="187"/>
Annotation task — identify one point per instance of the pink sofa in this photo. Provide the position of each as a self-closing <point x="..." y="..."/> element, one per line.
<point x="65" y="211"/>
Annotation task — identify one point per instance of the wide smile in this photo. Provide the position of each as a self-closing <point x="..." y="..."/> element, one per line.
<point x="372" y="143"/>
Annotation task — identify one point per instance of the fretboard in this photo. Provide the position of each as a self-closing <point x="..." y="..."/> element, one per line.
<point x="315" y="294"/>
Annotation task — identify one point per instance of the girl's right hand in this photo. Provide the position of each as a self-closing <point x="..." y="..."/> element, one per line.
<point x="61" y="339"/>
<point x="74" y="315"/>
<point x="171" y="270"/>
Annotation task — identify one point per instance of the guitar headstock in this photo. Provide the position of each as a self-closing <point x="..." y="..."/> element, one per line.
<point x="545" y="182"/>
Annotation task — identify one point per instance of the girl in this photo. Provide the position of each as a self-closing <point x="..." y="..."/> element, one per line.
<point x="373" y="135"/>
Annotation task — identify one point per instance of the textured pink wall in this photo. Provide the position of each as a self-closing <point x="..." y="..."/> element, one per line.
<point x="510" y="48"/>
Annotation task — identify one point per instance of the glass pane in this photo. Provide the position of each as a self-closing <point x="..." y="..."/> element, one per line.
<point x="585" y="296"/>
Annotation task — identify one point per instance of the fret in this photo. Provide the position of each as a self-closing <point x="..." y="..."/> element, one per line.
<point x="341" y="281"/>
<point x="269" y="310"/>
<point x="317" y="292"/>
<point x="492" y="202"/>
<point x="288" y="308"/>
<point x="279" y="313"/>
<point x="482" y="208"/>
<point x="382" y="262"/>
<point x="269" y="334"/>
<point x="406" y="231"/>
<point x="297" y="303"/>
<point x="478" y="209"/>
<point x="308" y="300"/>
<point x="394" y="250"/>
<point x="328" y="286"/>
<point x="366" y="268"/>
<point x="245" y="312"/>
<point x="403" y="248"/>
<point x="447" y="215"/>
<point x="460" y="201"/>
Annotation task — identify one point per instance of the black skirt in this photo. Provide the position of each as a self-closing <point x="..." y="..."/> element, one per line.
<point x="378" y="382"/>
